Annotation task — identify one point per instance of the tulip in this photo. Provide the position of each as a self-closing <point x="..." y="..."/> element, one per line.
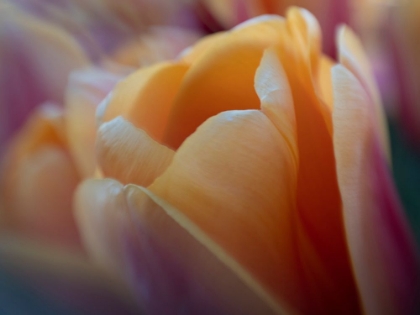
<point x="228" y="13"/>
<point x="256" y="183"/>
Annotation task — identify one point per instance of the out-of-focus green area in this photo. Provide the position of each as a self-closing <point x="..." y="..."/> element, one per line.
<point x="406" y="169"/>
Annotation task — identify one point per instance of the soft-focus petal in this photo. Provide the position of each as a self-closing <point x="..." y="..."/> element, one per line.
<point x="158" y="44"/>
<point x="86" y="90"/>
<point x="385" y="262"/>
<point x="38" y="180"/>
<point x="103" y="27"/>
<point x="36" y="58"/>
<point x="129" y="155"/>
<point x="181" y="270"/>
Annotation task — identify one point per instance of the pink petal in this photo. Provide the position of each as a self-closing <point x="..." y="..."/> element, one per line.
<point x="385" y="261"/>
<point x="35" y="61"/>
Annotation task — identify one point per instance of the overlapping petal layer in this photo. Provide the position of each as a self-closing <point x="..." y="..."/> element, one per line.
<point x="181" y="270"/>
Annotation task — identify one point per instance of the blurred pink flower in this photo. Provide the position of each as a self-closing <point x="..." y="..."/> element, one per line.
<point x="228" y="13"/>
<point x="43" y="41"/>
<point x="36" y="58"/>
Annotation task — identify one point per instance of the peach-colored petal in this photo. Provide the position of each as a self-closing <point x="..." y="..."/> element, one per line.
<point x="86" y="89"/>
<point x="129" y="155"/>
<point x="66" y="282"/>
<point x="307" y="35"/>
<point x="353" y="57"/>
<point x="235" y="178"/>
<point x="385" y="262"/>
<point x="136" y="99"/>
<point x="222" y="78"/>
<point x="38" y="181"/>
<point x="42" y="197"/>
<point x="190" y="54"/>
<point x="180" y="270"/>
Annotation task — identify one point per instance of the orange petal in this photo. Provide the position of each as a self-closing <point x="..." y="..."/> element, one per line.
<point x="385" y="262"/>
<point x="235" y="178"/>
<point x="307" y="35"/>
<point x="171" y="264"/>
<point x="300" y="56"/>
<point x="86" y="89"/>
<point x="329" y="280"/>
<point x="191" y="54"/>
<point x="325" y="81"/>
<point x="40" y="197"/>
<point x="136" y="99"/>
<point x="222" y="78"/>
<point x="129" y="155"/>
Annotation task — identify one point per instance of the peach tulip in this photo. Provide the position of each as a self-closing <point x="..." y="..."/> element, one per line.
<point x="251" y="176"/>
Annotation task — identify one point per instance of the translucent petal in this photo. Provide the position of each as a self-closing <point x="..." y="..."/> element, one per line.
<point x="384" y="259"/>
<point x="129" y="155"/>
